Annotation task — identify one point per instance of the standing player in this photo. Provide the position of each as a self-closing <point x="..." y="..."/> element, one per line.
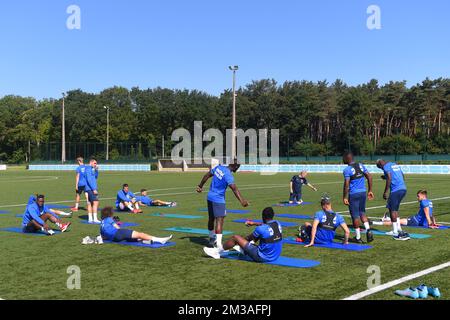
<point x="222" y="178"/>
<point x="354" y="195"/>
<point x="91" y="176"/>
<point x="80" y="183"/>
<point x="295" y="186"/>
<point x="395" y="182"/>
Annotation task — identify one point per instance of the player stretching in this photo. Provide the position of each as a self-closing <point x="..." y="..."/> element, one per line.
<point x="80" y="183"/>
<point x="91" y="176"/>
<point x="126" y="200"/>
<point x="145" y="200"/>
<point x="295" y="186"/>
<point x="395" y="182"/>
<point x="355" y="194"/>
<point x="222" y="178"/>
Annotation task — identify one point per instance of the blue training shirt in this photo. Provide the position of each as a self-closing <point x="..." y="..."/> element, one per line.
<point x="222" y="178"/>
<point x="81" y="171"/>
<point x="297" y="183"/>
<point x="123" y="196"/>
<point x="324" y="235"/>
<point x="107" y="228"/>
<point x="268" y="251"/>
<point x="91" y="176"/>
<point x="398" y="182"/>
<point x="420" y="216"/>
<point x="145" y="200"/>
<point x="34" y="212"/>
<point x="357" y="185"/>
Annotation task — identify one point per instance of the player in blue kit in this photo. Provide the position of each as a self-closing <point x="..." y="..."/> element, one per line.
<point x="269" y="234"/>
<point x="111" y="231"/>
<point x="395" y="183"/>
<point x="37" y="214"/>
<point x="222" y="178"/>
<point x="354" y="195"/>
<point x="91" y="176"/>
<point x="295" y="186"/>
<point x="323" y="228"/>
<point x="145" y="200"/>
<point x="80" y="183"/>
<point x="423" y="218"/>
<point x="127" y="201"/>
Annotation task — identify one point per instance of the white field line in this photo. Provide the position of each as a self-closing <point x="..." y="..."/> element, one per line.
<point x="34" y="179"/>
<point x="398" y="281"/>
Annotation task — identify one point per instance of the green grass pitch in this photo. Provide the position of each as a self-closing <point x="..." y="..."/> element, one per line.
<point x="36" y="267"/>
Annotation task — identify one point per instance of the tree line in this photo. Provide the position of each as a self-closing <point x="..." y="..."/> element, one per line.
<point x="314" y="118"/>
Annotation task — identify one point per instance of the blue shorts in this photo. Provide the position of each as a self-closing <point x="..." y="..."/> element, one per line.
<point x="296" y="196"/>
<point x="395" y="199"/>
<point x="91" y="196"/>
<point x="123" y="235"/>
<point x="81" y="189"/>
<point x="29" y="229"/>
<point x="252" y="251"/>
<point x="357" y="206"/>
<point x="216" y="210"/>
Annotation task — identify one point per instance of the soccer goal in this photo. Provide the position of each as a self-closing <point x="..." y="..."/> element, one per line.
<point x="190" y="165"/>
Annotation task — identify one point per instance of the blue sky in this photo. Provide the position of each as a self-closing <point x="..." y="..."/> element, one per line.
<point x="190" y="43"/>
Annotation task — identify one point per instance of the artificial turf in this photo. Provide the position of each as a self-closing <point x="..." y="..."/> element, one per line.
<point x="36" y="267"/>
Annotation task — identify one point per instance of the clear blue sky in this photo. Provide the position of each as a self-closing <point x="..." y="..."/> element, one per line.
<point x="190" y="43"/>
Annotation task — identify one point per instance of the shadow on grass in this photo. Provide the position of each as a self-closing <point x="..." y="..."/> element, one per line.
<point x="198" y="240"/>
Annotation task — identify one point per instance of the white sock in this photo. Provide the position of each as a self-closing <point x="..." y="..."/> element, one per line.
<point x="76" y="205"/>
<point x="358" y="233"/>
<point x="95" y="216"/>
<point x="219" y="242"/>
<point x="160" y="240"/>
<point x="136" y="205"/>
<point x="399" y="225"/>
<point x="238" y="249"/>
<point x="367" y="225"/>
<point x="130" y="206"/>
<point x="58" y="224"/>
<point x="90" y="216"/>
<point x="395" y="227"/>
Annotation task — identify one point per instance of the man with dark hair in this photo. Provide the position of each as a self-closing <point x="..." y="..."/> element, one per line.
<point x="395" y="183"/>
<point x="222" y="178"/>
<point x="269" y="234"/>
<point x="126" y="200"/>
<point x="37" y="214"/>
<point x="145" y="200"/>
<point x="80" y="183"/>
<point x="354" y="195"/>
<point x="323" y="228"/>
<point x="91" y="176"/>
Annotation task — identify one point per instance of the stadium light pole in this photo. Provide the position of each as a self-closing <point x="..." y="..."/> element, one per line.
<point x="63" y="129"/>
<point x="233" y="130"/>
<point x="107" y="132"/>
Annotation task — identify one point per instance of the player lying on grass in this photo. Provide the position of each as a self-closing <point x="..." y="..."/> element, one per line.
<point x="354" y="194"/>
<point x="111" y="231"/>
<point x="423" y="218"/>
<point x="295" y="187"/>
<point x="222" y="178"/>
<point x="323" y="228"/>
<point x="269" y="234"/>
<point x="126" y="200"/>
<point x="80" y="183"/>
<point x="145" y="200"/>
<point x="37" y="214"/>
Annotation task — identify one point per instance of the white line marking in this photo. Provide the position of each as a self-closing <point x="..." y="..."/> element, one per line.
<point x="398" y="281"/>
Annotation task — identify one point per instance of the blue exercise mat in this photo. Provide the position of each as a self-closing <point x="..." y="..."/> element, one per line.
<point x="57" y="206"/>
<point x="294" y="216"/>
<point x="283" y="223"/>
<point x="174" y="216"/>
<point x="383" y="233"/>
<point x="19" y="215"/>
<point x="290" y="204"/>
<point x="229" y="211"/>
<point x="4" y="212"/>
<point x="142" y="245"/>
<point x="334" y="245"/>
<point x="194" y="230"/>
<point x="281" y="261"/>
<point x="422" y="227"/>
<point x="19" y="230"/>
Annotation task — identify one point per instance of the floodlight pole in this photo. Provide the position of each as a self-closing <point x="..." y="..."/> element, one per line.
<point x="233" y="131"/>
<point x="107" y="132"/>
<point x="63" y="129"/>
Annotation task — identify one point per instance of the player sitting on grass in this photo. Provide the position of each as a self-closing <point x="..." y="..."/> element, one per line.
<point x="423" y="218"/>
<point x="111" y="231"/>
<point x="296" y="187"/>
<point x="145" y="200"/>
<point x="269" y="235"/>
<point x="126" y="200"/>
<point x="37" y="214"/>
<point x="323" y="229"/>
